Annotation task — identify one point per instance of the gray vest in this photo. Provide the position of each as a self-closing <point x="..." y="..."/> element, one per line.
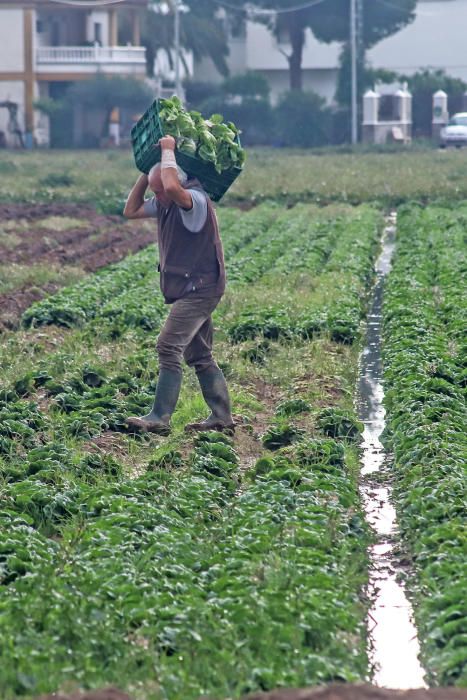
<point x="190" y="263"/>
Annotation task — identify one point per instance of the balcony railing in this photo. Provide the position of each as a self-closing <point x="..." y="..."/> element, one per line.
<point x="90" y="54"/>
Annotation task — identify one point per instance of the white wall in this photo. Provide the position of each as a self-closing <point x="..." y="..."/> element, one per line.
<point x="238" y="56"/>
<point x="260" y="52"/>
<point x="436" y="39"/>
<point x="264" y="53"/>
<point x="323" y="82"/>
<point x="11" y="40"/>
<point x="206" y="72"/>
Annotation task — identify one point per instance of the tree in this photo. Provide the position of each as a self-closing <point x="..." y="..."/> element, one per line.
<point x="204" y="34"/>
<point x="330" y="21"/>
<point x="106" y="92"/>
<point x="379" y="19"/>
<point x="200" y="32"/>
<point x="99" y="92"/>
<point x="303" y="120"/>
<point x="242" y="99"/>
<point x="367" y="77"/>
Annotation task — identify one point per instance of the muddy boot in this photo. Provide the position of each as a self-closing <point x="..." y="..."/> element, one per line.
<point x="167" y="392"/>
<point x="216" y="395"/>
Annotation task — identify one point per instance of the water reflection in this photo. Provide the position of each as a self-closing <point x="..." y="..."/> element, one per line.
<point x="394" y="640"/>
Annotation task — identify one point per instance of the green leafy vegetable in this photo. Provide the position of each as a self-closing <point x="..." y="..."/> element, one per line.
<point x="209" y="139"/>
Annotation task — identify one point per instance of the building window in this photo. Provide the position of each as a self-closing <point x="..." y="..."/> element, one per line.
<point x="39" y="26"/>
<point x="98" y="33"/>
<point x="55" y="33"/>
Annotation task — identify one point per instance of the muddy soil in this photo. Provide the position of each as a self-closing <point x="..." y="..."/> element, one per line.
<point x="33" y="212"/>
<point x="98" y="241"/>
<point x="13" y="303"/>
<point x="332" y="692"/>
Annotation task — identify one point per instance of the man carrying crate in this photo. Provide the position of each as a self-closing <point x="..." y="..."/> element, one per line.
<point x="192" y="280"/>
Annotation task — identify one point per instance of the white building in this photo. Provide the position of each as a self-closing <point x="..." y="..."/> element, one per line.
<point x="257" y="49"/>
<point x="435" y="40"/>
<point x="45" y="44"/>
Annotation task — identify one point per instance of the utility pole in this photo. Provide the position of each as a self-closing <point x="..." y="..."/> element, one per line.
<point x="178" y="87"/>
<point x="353" y="51"/>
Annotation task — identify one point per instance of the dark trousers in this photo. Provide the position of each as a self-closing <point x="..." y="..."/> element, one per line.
<point x="187" y="334"/>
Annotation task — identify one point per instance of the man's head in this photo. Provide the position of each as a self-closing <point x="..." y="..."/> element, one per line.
<point x="155" y="183"/>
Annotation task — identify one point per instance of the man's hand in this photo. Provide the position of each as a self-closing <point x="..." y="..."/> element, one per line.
<point x="167" y="143"/>
<point x="169" y="176"/>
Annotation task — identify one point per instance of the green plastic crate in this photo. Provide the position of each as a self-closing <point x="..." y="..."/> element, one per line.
<point x="146" y="134"/>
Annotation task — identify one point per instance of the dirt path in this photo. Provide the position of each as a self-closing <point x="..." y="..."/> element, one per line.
<point x="59" y="235"/>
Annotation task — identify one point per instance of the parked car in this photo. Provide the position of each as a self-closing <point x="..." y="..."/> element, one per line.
<point x="455" y="132"/>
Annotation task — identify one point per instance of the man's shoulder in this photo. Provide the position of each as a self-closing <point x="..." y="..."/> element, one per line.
<point x="195" y="218"/>
<point x="151" y="207"/>
<point x="198" y="194"/>
<point x="194" y="184"/>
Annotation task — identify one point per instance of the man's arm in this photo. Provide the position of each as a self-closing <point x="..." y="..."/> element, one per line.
<point x="134" y="207"/>
<point x="172" y="187"/>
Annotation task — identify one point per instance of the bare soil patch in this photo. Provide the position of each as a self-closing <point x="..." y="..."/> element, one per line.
<point x="98" y="241"/>
<point x="46" y="340"/>
<point x="248" y="446"/>
<point x="32" y="212"/>
<point x="108" y="443"/>
<point x="14" y="302"/>
<point x="247" y="438"/>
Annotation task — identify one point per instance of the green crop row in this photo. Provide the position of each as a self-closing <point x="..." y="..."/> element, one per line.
<point x="291" y="227"/>
<point x="103" y="293"/>
<point x="82" y="399"/>
<point x="183" y="581"/>
<point x="126" y="294"/>
<point x="331" y="262"/>
<point x="83" y="301"/>
<point x="425" y="318"/>
<point x="195" y="577"/>
<point x="264" y="241"/>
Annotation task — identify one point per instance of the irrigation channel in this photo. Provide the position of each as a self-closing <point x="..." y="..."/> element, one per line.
<point x="394" y="642"/>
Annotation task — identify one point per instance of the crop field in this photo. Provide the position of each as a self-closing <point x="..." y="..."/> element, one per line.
<point x="425" y="359"/>
<point x="211" y="566"/>
<point x="104" y="178"/>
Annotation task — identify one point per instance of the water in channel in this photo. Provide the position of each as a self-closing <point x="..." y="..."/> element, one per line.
<point x="394" y="642"/>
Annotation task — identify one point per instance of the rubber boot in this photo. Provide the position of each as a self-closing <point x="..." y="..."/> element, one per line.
<point x="216" y="395"/>
<point x="158" y="420"/>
